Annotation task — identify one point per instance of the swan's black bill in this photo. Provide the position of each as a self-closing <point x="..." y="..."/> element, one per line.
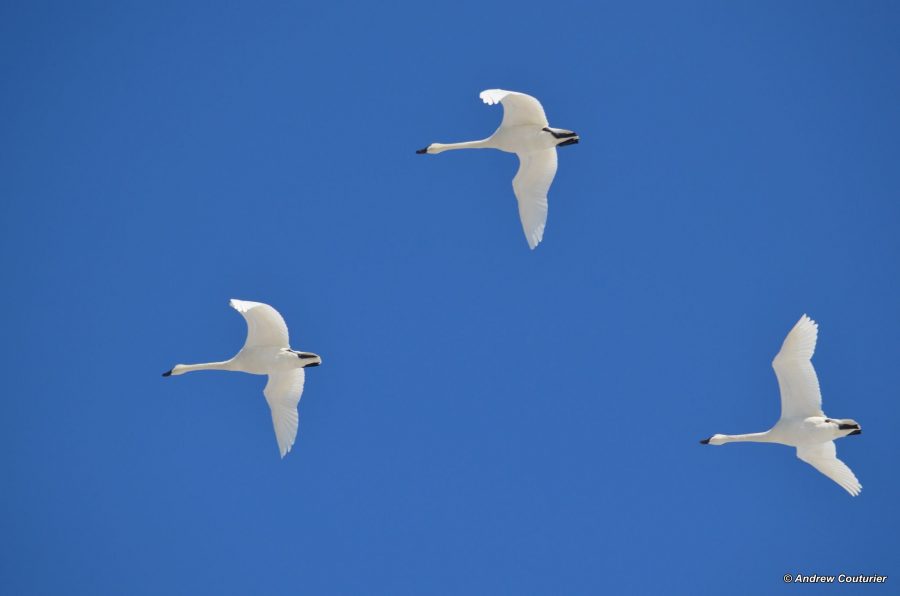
<point x="856" y="432"/>
<point x="705" y="441"/>
<point x="168" y="373"/>
<point x="568" y="142"/>
<point x="422" y="151"/>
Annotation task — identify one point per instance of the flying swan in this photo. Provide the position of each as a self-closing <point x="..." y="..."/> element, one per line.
<point x="525" y="132"/>
<point x="803" y="424"/>
<point x="267" y="352"/>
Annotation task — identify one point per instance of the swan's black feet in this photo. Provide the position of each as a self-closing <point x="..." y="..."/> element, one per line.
<point x="560" y="135"/>
<point x="568" y="142"/>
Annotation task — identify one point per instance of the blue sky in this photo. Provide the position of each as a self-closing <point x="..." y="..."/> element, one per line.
<point x="487" y="419"/>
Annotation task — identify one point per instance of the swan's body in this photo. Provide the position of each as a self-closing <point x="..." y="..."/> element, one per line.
<point x="525" y="132"/>
<point x="267" y="352"/>
<point x="803" y="424"/>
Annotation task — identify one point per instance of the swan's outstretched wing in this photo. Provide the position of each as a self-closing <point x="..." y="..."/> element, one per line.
<point x="823" y="457"/>
<point x="265" y="327"/>
<point x="518" y="108"/>
<point x="532" y="181"/>
<point x="800" y="396"/>
<point x="283" y="394"/>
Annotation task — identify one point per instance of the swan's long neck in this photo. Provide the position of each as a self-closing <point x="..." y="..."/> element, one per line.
<point x="186" y="368"/>
<point x="748" y="438"/>
<point x="441" y="147"/>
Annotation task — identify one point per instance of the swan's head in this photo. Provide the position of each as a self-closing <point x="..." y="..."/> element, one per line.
<point x="178" y="370"/>
<point x="431" y="149"/>
<point x="714" y="440"/>
<point x="308" y="359"/>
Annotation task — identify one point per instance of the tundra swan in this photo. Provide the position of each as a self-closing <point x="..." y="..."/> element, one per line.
<point x="803" y="424"/>
<point x="525" y="132"/>
<point x="267" y="352"/>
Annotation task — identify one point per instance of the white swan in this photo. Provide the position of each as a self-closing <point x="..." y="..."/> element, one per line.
<point x="803" y="424"/>
<point x="267" y="352"/>
<point x="525" y="132"/>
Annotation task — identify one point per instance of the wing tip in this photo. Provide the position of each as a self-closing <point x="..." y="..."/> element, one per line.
<point x="492" y="96"/>
<point x="800" y="342"/>
<point x="806" y="319"/>
<point x="244" y="306"/>
<point x="284" y="449"/>
<point x="535" y="237"/>
<point x="854" y="487"/>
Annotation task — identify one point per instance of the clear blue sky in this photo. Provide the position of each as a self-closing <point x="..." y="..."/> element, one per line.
<point x="488" y="420"/>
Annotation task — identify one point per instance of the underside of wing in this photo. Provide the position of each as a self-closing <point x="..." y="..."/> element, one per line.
<point x="823" y="457"/>
<point x="531" y="184"/>
<point x="265" y="327"/>
<point x="800" y="396"/>
<point x="283" y="394"/>
<point x="518" y="108"/>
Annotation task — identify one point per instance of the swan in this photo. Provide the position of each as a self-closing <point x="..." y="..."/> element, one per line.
<point x="267" y="352"/>
<point x="803" y="424"/>
<point x="525" y="132"/>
